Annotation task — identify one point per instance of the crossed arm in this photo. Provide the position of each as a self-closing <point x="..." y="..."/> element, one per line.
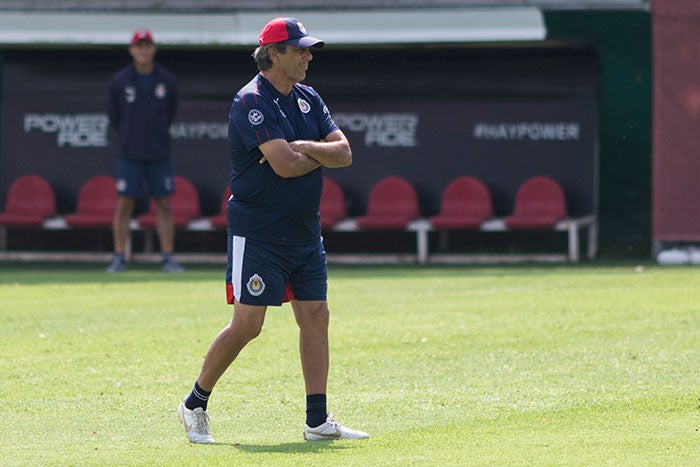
<point x="297" y="158"/>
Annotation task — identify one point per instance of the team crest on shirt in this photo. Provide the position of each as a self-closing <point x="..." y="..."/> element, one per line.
<point x="161" y="90"/>
<point x="303" y="106"/>
<point x="130" y="94"/>
<point x="255" y="285"/>
<point x="255" y="117"/>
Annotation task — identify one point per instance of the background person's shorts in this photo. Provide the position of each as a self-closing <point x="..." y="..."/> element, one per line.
<point x="261" y="274"/>
<point x="155" y="178"/>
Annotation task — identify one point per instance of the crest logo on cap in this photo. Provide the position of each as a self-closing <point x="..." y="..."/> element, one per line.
<point x="301" y="27"/>
<point x="255" y="117"/>
<point x="255" y="285"/>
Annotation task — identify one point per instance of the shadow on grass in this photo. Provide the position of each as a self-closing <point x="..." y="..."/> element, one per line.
<point x="297" y="447"/>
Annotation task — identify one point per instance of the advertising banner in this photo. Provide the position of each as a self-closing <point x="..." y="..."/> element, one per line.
<point x="54" y="124"/>
<point x="501" y="143"/>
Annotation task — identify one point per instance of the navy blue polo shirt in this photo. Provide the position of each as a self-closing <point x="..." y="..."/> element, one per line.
<point x="141" y="111"/>
<point x="265" y="206"/>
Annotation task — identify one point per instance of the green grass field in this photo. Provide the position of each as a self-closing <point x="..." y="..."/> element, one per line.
<point x="555" y="365"/>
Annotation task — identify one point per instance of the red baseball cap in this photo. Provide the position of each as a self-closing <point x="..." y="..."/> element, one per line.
<point x="290" y="31"/>
<point x="142" y="35"/>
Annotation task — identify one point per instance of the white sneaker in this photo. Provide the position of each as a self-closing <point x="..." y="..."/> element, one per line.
<point x="332" y="430"/>
<point x="196" y="424"/>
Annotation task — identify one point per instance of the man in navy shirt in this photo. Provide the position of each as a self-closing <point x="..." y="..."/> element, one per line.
<point x="280" y="135"/>
<point x="141" y="106"/>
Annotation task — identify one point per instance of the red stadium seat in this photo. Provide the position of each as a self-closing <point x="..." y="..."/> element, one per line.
<point x="30" y="201"/>
<point x="96" y="202"/>
<point x="332" y="204"/>
<point x="392" y="204"/>
<point x="466" y="203"/>
<point x="220" y="220"/>
<point x="184" y="205"/>
<point x="539" y="204"/>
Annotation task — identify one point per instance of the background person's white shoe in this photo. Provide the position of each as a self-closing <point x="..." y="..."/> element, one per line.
<point x="332" y="430"/>
<point x="196" y="424"/>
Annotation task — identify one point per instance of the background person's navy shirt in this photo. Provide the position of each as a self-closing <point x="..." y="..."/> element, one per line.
<point x="142" y="117"/>
<point x="265" y="206"/>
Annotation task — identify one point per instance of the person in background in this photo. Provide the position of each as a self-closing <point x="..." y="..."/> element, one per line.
<point x="280" y="136"/>
<point x="141" y="106"/>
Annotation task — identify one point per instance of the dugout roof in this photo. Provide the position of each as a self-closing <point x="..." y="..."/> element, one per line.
<point x="354" y="27"/>
<point x="213" y="23"/>
<point x="267" y="5"/>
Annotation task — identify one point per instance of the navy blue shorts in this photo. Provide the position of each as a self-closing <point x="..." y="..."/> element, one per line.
<point x="136" y="177"/>
<point x="267" y="275"/>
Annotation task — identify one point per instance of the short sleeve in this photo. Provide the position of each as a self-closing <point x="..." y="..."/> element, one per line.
<point x="254" y="120"/>
<point x="326" y="123"/>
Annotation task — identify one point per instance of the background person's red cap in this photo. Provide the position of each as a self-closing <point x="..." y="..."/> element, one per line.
<point x="290" y="31"/>
<point x="141" y="35"/>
